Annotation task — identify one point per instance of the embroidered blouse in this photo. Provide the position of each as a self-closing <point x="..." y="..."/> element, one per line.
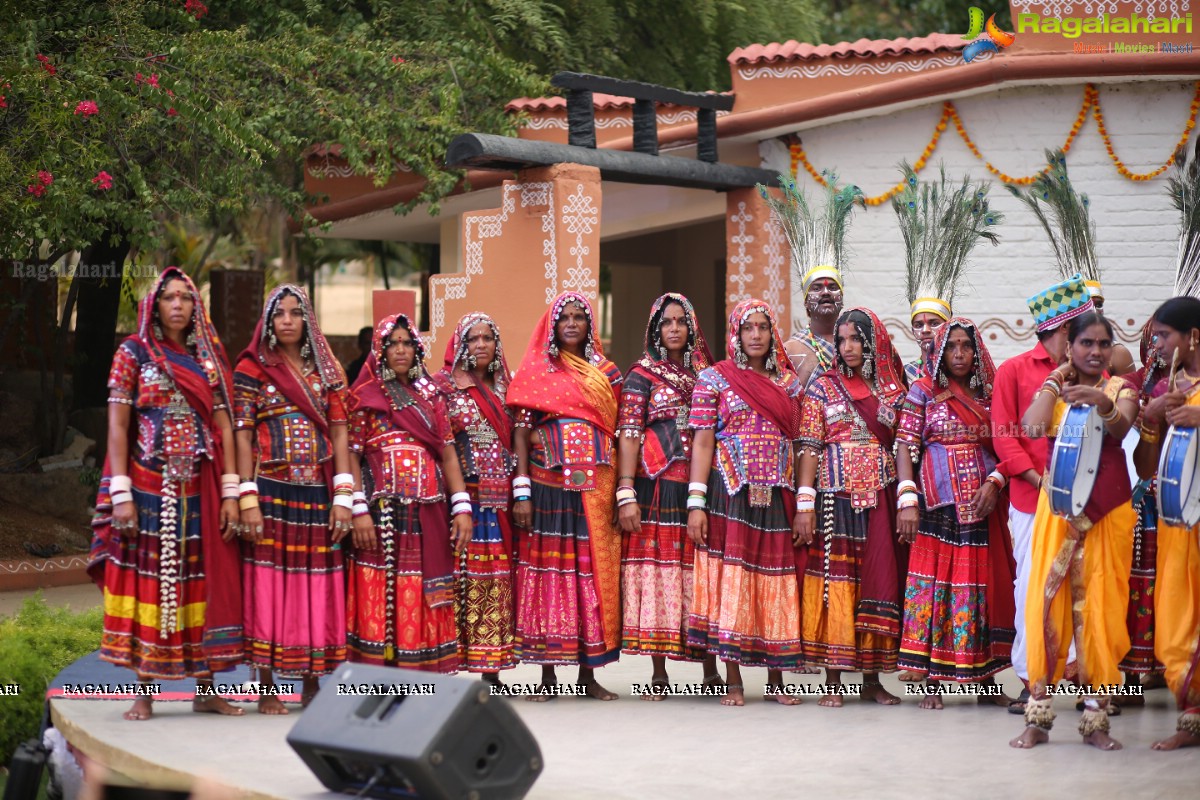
<point x="167" y="427"/>
<point x="398" y="466"/>
<point x="749" y="449"/>
<point x="954" y="462"/>
<point x="853" y="461"/>
<point x="288" y="444"/>
<point x="484" y="459"/>
<point x="657" y="412"/>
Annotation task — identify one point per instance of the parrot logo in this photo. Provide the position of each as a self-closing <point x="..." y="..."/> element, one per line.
<point x="993" y="38"/>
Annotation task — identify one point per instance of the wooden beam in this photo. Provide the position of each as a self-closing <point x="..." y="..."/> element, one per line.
<point x="642" y="91"/>
<point x="488" y="151"/>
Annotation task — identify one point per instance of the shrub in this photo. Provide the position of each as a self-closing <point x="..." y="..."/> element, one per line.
<point x="36" y="645"/>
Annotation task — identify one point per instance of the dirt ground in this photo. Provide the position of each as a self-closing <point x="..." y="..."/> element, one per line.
<point x="18" y="525"/>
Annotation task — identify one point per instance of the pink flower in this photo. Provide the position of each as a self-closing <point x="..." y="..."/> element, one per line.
<point x="3" y="102"/>
<point x="46" y="65"/>
<point x="171" y="112"/>
<point x="195" y="8"/>
<point x="397" y="60"/>
<point x="36" y="189"/>
<point x="153" y="80"/>
<point x="103" y="181"/>
<point x="87" y="107"/>
<point x="45" y="178"/>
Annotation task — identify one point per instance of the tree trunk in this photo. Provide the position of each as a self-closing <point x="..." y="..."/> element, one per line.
<point x="99" y="277"/>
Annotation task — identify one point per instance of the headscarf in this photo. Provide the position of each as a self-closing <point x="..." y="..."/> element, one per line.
<point x="966" y="406"/>
<point x="887" y="369"/>
<point x="408" y="411"/>
<point x="696" y="355"/>
<point x="200" y="379"/>
<point x="456" y="373"/>
<point x="765" y="396"/>
<point x="985" y="369"/>
<point x="560" y="383"/>
<point x="328" y="370"/>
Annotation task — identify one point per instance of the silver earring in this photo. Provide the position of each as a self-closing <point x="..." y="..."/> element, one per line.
<point x="387" y="373"/>
<point x="662" y="353"/>
<point x="553" y="349"/>
<point x="975" y="382"/>
<point x="741" y="359"/>
<point x="305" y="351"/>
<point x="868" y="367"/>
<point x="495" y="365"/>
<point x="588" y="352"/>
<point x="158" y="334"/>
<point x="943" y="381"/>
<point x="414" y="372"/>
<point x="271" y="340"/>
<point x="844" y="368"/>
<point x="771" y="365"/>
<point x="687" y="358"/>
<point x="472" y="362"/>
<point x="191" y="338"/>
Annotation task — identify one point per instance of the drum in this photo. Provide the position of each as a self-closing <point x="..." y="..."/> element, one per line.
<point x="1075" y="460"/>
<point x="1178" y="478"/>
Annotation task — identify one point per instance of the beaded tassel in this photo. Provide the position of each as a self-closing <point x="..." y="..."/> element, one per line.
<point x="387" y="536"/>
<point x="168" y="561"/>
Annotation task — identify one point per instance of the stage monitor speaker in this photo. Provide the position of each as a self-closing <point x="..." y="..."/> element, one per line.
<point x="393" y="733"/>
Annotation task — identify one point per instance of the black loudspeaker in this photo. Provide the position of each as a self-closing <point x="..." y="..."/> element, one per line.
<point x="25" y="771"/>
<point x="395" y="733"/>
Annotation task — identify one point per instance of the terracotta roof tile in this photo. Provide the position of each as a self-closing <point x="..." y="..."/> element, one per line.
<point x="863" y="48"/>
<point x="601" y="101"/>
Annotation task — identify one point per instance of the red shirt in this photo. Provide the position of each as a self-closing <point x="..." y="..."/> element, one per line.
<point x="1017" y="380"/>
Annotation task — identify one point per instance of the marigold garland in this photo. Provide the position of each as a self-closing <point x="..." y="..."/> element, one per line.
<point x="1089" y="107"/>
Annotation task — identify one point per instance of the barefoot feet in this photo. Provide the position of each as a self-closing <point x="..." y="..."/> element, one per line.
<point x="1032" y="736"/>
<point x="143" y="708"/>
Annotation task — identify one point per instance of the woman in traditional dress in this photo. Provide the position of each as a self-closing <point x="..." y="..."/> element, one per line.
<point x="745" y="413"/>
<point x="568" y="577"/>
<point x="290" y="416"/>
<point x="1176" y="331"/>
<point x="1079" y="572"/>
<point x="654" y="452"/>
<point x="958" y="605"/>
<point x="401" y="598"/>
<point x="853" y="586"/>
<point x="166" y="512"/>
<point x="474" y="383"/>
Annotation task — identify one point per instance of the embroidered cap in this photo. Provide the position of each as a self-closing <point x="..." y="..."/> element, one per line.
<point x="1060" y="303"/>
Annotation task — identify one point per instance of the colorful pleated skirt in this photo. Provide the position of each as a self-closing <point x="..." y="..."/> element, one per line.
<point x="390" y="621"/>
<point x="294" y="583"/>
<point x="657" y="580"/>
<point x="486" y="600"/>
<point x="946" y="631"/>
<point x="746" y="601"/>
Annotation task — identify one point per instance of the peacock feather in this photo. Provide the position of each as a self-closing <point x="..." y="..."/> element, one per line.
<point x="1184" y="186"/>
<point x="1063" y="214"/>
<point x="941" y="223"/>
<point x="817" y="237"/>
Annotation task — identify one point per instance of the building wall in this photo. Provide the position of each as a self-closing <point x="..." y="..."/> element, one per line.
<point x="1137" y="228"/>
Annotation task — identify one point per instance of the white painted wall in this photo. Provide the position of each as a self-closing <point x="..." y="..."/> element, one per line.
<point x="1137" y="226"/>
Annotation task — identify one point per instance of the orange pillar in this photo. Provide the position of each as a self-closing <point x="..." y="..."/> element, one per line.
<point x="544" y="239"/>
<point x="757" y="257"/>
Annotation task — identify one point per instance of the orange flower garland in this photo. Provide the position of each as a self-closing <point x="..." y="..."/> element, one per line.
<point x="1089" y="107"/>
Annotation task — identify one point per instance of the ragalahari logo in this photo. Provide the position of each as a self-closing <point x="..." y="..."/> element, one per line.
<point x="993" y="38"/>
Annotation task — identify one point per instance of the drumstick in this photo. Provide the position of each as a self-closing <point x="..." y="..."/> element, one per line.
<point x="1174" y="365"/>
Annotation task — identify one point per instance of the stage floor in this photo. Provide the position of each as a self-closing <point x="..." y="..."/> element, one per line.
<point x="686" y="746"/>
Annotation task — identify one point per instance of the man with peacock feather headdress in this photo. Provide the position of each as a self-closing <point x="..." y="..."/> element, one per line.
<point x="817" y="241"/>
<point x="941" y="224"/>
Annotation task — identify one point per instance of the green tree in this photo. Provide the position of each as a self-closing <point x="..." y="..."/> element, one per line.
<point x="851" y="20"/>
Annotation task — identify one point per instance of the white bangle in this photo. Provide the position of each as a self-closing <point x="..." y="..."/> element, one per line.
<point x="996" y="474"/>
<point x="460" y="497"/>
<point x="902" y="485"/>
<point x="229" y="492"/>
<point x="343" y="477"/>
<point x="695" y="502"/>
<point x="359" y="497"/>
<point x="521" y="480"/>
<point x="343" y="501"/>
<point x="249" y="487"/>
<point x="121" y="497"/>
<point x="358" y="509"/>
<point x="696" y="486"/>
<point x="806" y="505"/>
<point x="120" y="483"/>
<point x="461" y="505"/>
<point x="231" y="478"/>
<point x="905" y="502"/>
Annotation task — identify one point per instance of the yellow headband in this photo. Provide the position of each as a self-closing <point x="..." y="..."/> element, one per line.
<point x="1094" y="289"/>
<point x="817" y="273"/>
<point x="931" y="305"/>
